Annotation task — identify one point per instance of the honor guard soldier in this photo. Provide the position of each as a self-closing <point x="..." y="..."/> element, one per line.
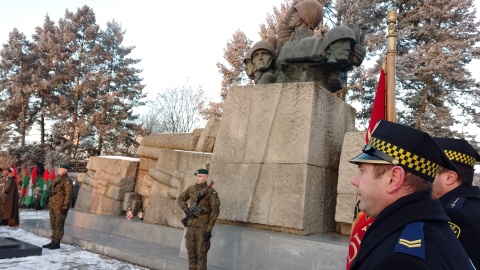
<point x="59" y="204"/>
<point x="460" y="200"/>
<point x="393" y="184"/>
<point x="200" y="218"/>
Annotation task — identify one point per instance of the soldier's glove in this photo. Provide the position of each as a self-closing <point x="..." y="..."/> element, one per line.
<point x="189" y="213"/>
<point x="64" y="210"/>
<point x="207" y="236"/>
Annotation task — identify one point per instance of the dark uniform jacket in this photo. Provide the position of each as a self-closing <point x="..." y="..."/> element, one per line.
<point x="10" y="211"/>
<point x="462" y="205"/>
<point x="411" y="234"/>
<point x="61" y="193"/>
<point x="210" y="205"/>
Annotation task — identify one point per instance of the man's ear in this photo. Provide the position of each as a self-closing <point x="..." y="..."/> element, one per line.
<point x="397" y="178"/>
<point x="451" y="178"/>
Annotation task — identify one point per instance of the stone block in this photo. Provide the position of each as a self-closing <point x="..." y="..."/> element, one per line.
<point x="84" y="198"/>
<point x="276" y="156"/>
<point x="178" y="141"/>
<point x="147" y="152"/>
<point x="282" y="123"/>
<point x="345" y="207"/>
<point x="353" y="144"/>
<point x="105" y="205"/>
<point x="206" y="141"/>
<point x="163" y="211"/>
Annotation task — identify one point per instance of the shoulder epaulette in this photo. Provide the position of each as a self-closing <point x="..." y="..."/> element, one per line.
<point x="456" y="203"/>
<point x="412" y="240"/>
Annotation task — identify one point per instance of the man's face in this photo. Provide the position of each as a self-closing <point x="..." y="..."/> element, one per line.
<point x="261" y="59"/>
<point x="201" y="178"/>
<point x="249" y="68"/>
<point x="5" y="172"/>
<point x="370" y="190"/>
<point x="339" y="51"/>
<point x="62" y="171"/>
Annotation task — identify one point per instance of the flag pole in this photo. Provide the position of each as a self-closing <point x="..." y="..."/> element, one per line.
<point x="390" y="71"/>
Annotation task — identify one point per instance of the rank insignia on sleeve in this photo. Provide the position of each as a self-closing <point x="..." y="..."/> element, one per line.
<point x="456" y="203"/>
<point x="412" y="240"/>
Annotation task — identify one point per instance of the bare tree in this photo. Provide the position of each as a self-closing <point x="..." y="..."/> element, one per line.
<point x="177" y="108"/>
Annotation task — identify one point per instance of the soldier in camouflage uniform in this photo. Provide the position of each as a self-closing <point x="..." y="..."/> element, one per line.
<point x="59" y="203"/>
<point x="199" y="228"/>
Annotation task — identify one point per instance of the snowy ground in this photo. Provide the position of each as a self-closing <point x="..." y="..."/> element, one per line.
<point x="67" y="257"/>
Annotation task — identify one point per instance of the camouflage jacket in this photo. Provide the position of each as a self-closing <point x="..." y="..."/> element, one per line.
<point x="61" y="192"/>
<point x="210" y="205"/>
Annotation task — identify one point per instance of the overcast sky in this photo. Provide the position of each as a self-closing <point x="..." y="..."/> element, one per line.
<point x="174" y="39"/>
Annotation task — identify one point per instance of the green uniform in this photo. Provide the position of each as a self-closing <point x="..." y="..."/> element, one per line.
<point x="197" y="247"/>
<point x="59" y="203"/>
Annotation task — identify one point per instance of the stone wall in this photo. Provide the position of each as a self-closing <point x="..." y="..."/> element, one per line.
<point x="276" y="156"/>
<point x="275" y="163"/>
<point x="104" y="185"/>
<point x="353" y="144"/>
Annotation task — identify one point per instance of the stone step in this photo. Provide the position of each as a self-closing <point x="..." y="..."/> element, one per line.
<point x="233" y="247"/>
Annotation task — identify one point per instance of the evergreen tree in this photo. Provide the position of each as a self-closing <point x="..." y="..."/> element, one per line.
<point x="17" y="107"/>
<point x="47" y="51"/>
<point x="120" y="91"/>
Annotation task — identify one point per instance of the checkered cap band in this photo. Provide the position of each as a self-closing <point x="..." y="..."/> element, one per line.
<point x="406" y="158"/>
<point x="460" y="157"/>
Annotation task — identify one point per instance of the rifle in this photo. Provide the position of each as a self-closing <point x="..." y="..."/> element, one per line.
<point x="194" y="206"/>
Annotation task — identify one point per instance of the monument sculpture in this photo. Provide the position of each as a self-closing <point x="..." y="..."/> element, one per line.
<point x="274" y="155"/>
<point x="304" y="57"/>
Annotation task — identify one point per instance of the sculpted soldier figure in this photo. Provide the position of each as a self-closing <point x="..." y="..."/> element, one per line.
<point x="200" y="218"/>
<point x="249" y="68"/>
<point x="59" y="204"/>
<point x="263" y="59"/>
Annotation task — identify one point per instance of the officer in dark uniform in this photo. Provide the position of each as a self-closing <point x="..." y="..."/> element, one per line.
<point x="199" y="227"/>
<point x="59" y="204"/>
<point x="460" y="200"/>
<point x="394" y="184"/>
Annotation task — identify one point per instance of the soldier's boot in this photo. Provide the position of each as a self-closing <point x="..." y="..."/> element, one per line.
<point x="48" y="245"/>
<point x="55" y="245"/>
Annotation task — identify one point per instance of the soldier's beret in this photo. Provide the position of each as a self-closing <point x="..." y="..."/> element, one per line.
<point x="9" y="169"/>
<point x="64" y="165"/>
<point x="201" y="171"/>
<point x="414" y="150"/>
<point x="459" y="151"/>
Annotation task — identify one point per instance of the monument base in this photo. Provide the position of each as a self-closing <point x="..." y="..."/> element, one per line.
<point x="13" y="248"/>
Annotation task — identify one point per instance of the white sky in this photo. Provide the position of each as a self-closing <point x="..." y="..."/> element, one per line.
<point x="174" y="39"/>
<point x="67" y="257"/>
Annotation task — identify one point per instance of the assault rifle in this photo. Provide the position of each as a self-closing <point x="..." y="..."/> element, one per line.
<point x="194" y="206"/>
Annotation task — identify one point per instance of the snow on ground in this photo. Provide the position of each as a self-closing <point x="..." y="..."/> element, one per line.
<point x="67" y="257"/>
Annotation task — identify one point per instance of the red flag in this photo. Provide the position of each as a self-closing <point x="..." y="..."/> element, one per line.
<point x="34" y="174"/>
<point x="362" y="221"/>
<point x="45" y="175"/>
<point x="378" y="109"/>
<point x="15" y="173"/>
<point x="51" y="177"/>
<point x="25" y="184"/>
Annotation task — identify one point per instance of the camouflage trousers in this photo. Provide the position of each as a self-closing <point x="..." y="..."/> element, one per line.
<point x="57" y="223"/>
<point x="197" y="248"/>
